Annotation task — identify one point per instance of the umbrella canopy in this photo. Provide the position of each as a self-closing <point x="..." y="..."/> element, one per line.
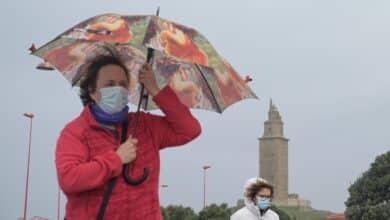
<point x="183" y="58"/>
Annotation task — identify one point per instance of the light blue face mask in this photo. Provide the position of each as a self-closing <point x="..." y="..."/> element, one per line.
<point x="113" y="99"/>
<point x="263" y="203"/>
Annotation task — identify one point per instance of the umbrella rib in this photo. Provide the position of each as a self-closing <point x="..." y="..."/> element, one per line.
<point x="208" y="86"/>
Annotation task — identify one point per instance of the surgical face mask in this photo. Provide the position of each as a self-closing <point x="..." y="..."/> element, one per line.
<point x="263" y="203"/>
<point x="113" y="99"/>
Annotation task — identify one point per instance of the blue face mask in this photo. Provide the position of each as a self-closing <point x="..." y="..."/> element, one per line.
<point x="113" y="99"/>
<point x="263" y="203"/>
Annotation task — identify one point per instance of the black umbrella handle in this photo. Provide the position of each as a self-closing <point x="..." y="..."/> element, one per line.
<point x="136" y="181"/>
<point x="125" y="173"/>
<point x="133" y="130"/>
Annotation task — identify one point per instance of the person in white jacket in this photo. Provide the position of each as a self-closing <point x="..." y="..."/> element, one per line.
<point x="257" y="197"/>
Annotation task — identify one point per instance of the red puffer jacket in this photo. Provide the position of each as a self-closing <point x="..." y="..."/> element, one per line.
<point x="86" y="160"/>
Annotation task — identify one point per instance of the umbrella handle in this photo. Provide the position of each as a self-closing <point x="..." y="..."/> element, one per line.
<point x="126" y="166"/>
<point x="132" y="181"/>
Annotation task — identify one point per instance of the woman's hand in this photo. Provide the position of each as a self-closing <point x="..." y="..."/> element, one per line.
<point x="147" y="77"/>
<point x="128" y="150"/>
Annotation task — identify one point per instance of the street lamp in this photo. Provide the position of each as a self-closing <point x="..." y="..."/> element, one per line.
<point x="163" y="187"/>
<point x="58" y="203"/>
<point x="30" y="116"/>
<point x="204" y="184"/>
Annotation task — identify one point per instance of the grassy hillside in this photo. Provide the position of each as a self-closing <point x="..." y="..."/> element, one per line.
<point x="299" y="214"/>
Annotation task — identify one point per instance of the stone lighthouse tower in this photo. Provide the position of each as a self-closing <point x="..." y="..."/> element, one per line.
<point x="274" y="156"/>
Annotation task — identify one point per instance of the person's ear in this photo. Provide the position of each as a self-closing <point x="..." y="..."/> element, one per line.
<point x="93" y="93"/>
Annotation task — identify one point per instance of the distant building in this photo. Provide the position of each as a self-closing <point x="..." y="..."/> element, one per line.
<point x="338" y="216"/>
<point x="38" y="218"/>
<point x="35" y="218"/>
<point x="273" y="161"/>
<point x="294" y="200"/>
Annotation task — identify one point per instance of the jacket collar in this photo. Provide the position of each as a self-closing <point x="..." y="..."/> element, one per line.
<point x="87" y="115"/>
<point x="252" y="207"/>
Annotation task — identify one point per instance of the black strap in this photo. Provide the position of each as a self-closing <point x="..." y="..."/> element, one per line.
<point x="111" y="183"/>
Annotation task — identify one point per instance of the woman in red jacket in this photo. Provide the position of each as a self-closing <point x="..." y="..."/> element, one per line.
<point x="89" y="152"/>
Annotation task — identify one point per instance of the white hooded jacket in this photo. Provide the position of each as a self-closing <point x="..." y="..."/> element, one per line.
<point x="250" y="211"/>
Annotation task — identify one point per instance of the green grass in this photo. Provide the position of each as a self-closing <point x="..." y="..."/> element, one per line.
<point x="300" y="214"/>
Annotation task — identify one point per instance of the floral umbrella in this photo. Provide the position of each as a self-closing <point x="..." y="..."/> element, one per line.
<point x="183" y="58"/>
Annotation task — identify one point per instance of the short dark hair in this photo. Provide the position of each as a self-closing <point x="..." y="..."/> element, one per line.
<point x="254" y="188"/>
<point x="88" y="82"/>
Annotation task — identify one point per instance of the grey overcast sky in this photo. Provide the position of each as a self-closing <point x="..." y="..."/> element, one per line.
<point x="325" y="64"/>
